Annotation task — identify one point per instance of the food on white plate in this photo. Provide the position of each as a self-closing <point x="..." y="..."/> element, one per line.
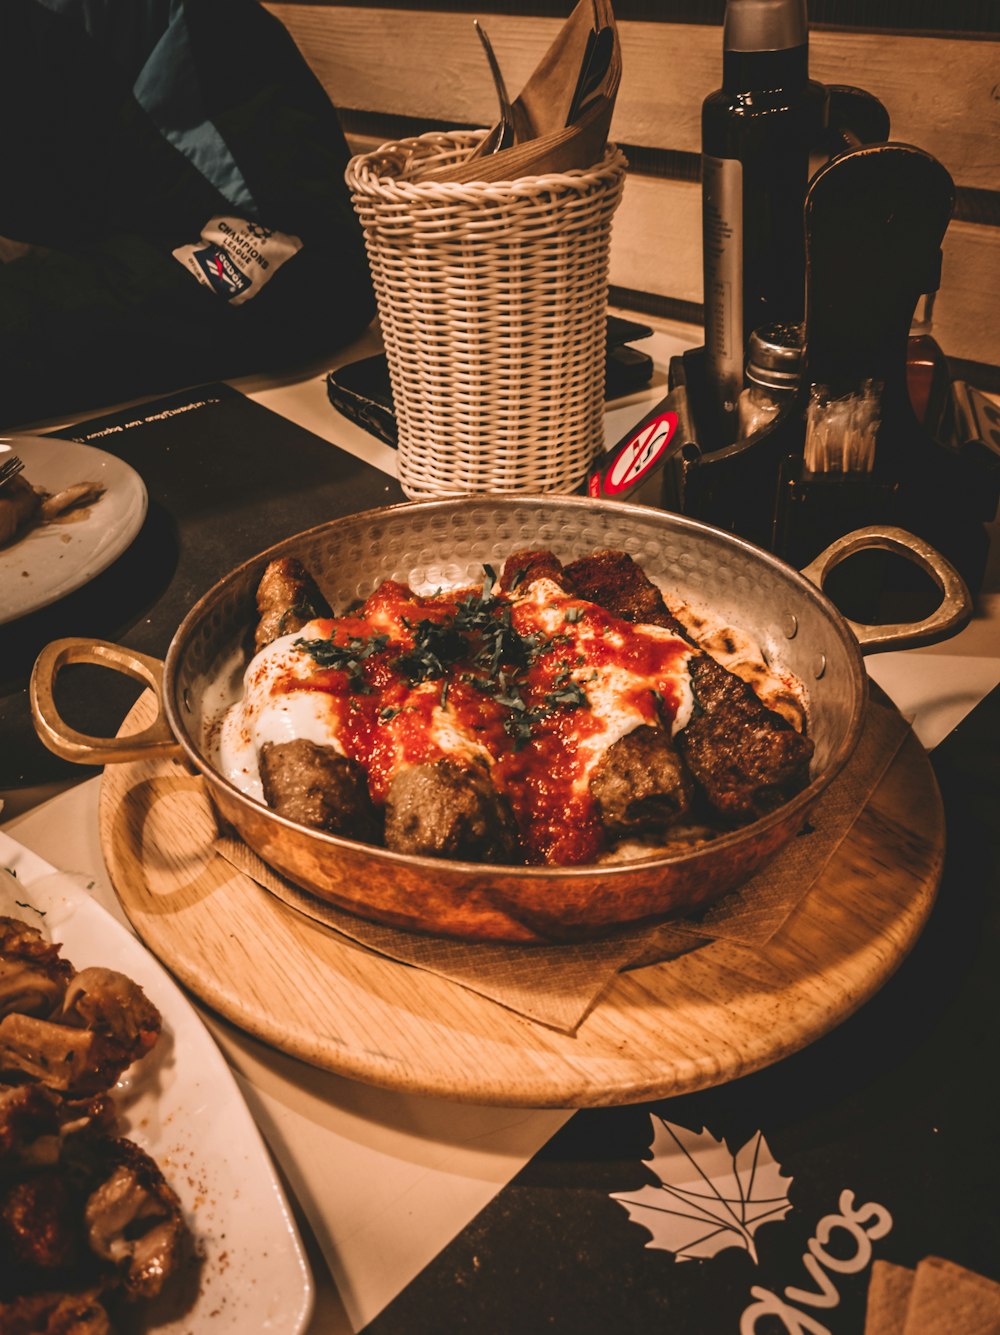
<point x="556" y="715"/>
<point x="23" y="507"/>
<point x="18" y="503"/>
<point x="88" y="1223"/>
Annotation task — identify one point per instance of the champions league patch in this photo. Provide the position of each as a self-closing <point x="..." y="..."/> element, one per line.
<point x="236" y="258"/>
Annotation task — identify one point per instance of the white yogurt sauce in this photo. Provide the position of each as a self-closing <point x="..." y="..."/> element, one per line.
<point x="268" y="715"/>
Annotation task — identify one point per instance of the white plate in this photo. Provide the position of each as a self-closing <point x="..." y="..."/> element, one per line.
<point x="52" y="560"/>
<point x="184" y="1108"/>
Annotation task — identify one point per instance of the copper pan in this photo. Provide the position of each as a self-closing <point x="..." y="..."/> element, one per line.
<point x="445" y="543"/>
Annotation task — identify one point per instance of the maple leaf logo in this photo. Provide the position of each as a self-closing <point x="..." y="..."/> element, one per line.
<point x="707" y="1199"/>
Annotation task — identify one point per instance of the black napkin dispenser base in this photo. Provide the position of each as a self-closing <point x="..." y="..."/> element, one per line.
<point x="758" y="489"/>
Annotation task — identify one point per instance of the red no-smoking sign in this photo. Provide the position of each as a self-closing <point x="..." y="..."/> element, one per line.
<point x="636" y="457"/>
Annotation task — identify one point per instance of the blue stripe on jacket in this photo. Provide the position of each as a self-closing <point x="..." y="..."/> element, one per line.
<point x="151" y="42"/>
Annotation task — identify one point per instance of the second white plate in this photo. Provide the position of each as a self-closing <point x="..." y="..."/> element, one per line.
<point x="184" y="1108"/>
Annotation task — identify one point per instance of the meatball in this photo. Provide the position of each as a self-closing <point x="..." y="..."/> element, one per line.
<point x="524" y="567"/>
<point x="641" y="785"/>
<point x="317" y="786"/>
<point x="287" y="598"/>
<point x="448" y="809"/>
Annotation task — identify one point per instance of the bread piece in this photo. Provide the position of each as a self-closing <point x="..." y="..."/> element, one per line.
<point x="947" y="1299"/>
<point x="888" y="1297"/>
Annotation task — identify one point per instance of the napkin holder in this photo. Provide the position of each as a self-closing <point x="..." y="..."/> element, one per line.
<point x="362" y="391"/>
<point x="874" y="217"/>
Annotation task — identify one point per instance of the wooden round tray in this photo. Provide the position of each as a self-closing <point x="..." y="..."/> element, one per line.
<point x="712" y="1015"/>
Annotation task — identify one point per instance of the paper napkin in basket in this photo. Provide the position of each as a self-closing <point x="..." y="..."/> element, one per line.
<point x="558" y="985"/>
<point x="561" y="121"/>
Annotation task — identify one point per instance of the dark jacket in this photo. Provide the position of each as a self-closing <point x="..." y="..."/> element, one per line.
<point x="178" y="172"/>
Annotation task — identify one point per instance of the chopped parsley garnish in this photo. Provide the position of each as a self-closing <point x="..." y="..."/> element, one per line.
<point x="569" y="696"/>
<point x="437" y="647"/>
<point x="511" y="701"/>
<point x="303" y="611"/>
<point x="482" y="643"/>
<point x="347" y="657"/>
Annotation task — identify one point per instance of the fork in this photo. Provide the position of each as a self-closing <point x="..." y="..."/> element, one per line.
<point x="504" y="134"/>
<point x="10" y="464"/>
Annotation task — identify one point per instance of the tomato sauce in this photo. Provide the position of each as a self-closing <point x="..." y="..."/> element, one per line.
<point x="533" y="682"/>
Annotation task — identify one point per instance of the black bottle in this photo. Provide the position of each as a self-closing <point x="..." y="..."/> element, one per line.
<point x="758" y="130"/>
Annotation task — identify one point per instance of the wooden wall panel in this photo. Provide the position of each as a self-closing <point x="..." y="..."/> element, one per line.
<point x="656" y="248"/>
<point x="426" y="67"/>
<point x="942" y="95"/>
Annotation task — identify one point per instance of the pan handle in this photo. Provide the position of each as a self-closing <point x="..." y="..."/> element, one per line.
<point x="951" y="613"/>
<point x="65" y="741"/>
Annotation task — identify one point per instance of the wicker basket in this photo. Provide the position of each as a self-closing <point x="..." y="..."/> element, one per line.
<point x="492" y="300"/>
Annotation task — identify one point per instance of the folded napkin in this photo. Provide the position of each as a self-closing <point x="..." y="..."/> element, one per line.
<point x="558" y="985"/>
<point x="563" y="114"/>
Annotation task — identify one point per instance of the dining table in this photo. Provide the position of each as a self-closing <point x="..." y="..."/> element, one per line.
<point x="851" y="1157"/>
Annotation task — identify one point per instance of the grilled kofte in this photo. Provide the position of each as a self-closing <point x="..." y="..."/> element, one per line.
<point x="551" y="716"/>
<point x="287" y="599"/>
<point x="745" y="758"/>
<point x="311" y="783"/>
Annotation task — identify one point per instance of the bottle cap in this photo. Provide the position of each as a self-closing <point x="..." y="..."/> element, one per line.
<point x="774" y="356"/>
<point x="764" y="25"/>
